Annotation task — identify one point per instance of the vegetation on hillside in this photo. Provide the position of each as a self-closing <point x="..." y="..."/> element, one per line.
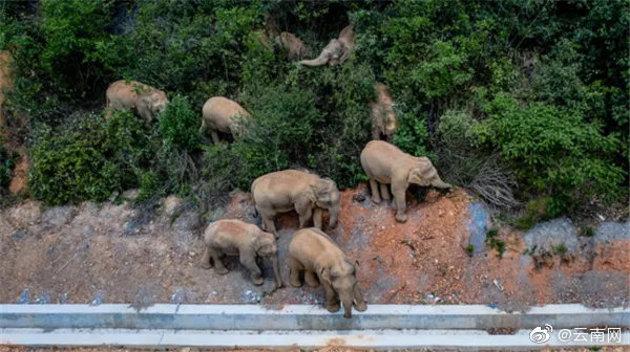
<point x="517" y="100"/>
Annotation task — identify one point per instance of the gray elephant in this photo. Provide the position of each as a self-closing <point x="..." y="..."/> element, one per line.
<point x="306" y="193"/>
<point x="313" y="253"/>
<point x="220" y="114"/>
<point x="337" y="51"/>
<point x="147" y="101"/>
<point x="386" y="164"/>
<point x="235" y="237"/>
<point x="384" y="121"/>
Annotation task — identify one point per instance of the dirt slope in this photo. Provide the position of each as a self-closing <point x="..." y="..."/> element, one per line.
<point x="113" y="253"/>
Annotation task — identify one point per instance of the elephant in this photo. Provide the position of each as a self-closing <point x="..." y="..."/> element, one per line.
<point x="235" y="237"/>
<point x="311" y="251"/>
<point x="307" y="193"/>
<point x="386" y="164"/>
<point x="384" y="121"/>
<point x="221" y="114"/>
<point x="147" y="101"/>
<point x="292" y="45"/>
<point x="337" y="51"/>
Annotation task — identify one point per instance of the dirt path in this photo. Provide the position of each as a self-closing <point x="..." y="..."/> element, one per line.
<point x="113" y="253"/>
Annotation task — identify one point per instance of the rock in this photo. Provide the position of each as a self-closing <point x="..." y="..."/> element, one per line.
<point x="131" y="194"/>
<point x="612" y="231"/>
<point x="171" y="205"/>
<point x="478" y="226"/>
<point x="548" y="237"/>
<point x="58" y="216"/>
<point x="25" y="214"/>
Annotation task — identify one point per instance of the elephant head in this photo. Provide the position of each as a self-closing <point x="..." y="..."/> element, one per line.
<point x="265" y="247"/>
<point x="327" y="197"/>
<point x="423" y="173"/>
<point x="152" y="104"/>
<point x="342" y="277"/>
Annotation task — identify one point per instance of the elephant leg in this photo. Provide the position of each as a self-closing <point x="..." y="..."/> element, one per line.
<point x="268" y="223"/>
<point x="332" y="302"/>
<point x="401" y="202"/>
<point x="215" y="137"/>
<point x="249" y="261"/>
<point x="305" y="213"/>
<point x="218" y="263"/>
<point x="376" y="198"/>
<point x="376" y="134"/>
<point x="311" y="279"/>
<point x="295" y="267"/>
<point x="205" y="259"/>
<point x="317" y="218"/>
<point x="384" y="191"/>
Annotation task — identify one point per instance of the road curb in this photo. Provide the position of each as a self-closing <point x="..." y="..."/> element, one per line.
<point x="381" y="326"/>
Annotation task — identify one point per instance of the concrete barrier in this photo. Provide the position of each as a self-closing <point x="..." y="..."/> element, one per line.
<point x="254" y="326"/>
<point x="303" y="317"/>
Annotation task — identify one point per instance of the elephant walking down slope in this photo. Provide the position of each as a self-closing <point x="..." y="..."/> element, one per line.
<point x="235" y="237"/>
<point x="306" y="193"/>
<point x="221" y="114"/>
<point x="385" y="164"/>
<point x="147" y="101"/>
<point x="313" y="253"/>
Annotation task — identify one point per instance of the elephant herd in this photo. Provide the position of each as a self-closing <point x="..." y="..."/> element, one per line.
<point x="312" y="253"/>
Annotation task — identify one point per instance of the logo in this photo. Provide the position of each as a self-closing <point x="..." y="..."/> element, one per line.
<point x="541" y="334"/>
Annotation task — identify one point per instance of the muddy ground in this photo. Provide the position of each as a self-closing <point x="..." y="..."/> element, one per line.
<point x="115" y="253"/>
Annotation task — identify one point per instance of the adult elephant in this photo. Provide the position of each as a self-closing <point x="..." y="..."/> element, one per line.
<point x="306" y="193"/>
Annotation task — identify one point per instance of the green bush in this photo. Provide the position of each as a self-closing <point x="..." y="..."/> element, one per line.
<point x="88" y="160"/>
<point x="7" y="162"/>
<point x="179" y="124"/>
<point x="553" y="151"/>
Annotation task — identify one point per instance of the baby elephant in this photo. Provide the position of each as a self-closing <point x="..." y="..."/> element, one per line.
<point x="384" y="121"/>
<point x="147" y="101"/>
<point x="222" y="115"/>
<point x="311" y="251"/>
<point x="307" y="193"/>
<point x="235" y="237"/>
<point x="386" y="164"/>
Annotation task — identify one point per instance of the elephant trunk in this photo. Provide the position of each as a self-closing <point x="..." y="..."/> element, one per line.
<point x="346" y="300"/>
<point x="441" y="184"/>
<point x="333" y="216"/>
<point x="321" y="60"/>
<point x="276" y="271"/>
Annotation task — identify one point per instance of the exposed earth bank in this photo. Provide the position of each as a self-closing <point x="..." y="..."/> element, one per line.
<point x="115" y="253"/>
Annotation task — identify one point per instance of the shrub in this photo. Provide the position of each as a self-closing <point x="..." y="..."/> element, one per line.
<point x="553" y="151"/>
<point x="88" y="160"/>
<point x="179" y="124"/>
<point x="7" y="162"/>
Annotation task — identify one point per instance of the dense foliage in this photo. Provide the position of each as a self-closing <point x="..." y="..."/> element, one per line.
<point x="517" y="100"/>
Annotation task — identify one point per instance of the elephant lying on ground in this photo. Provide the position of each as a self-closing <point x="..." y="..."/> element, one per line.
<point x="147" y="101"/>
<point x="307" y="193"/>
<point x="221" y="114"/>
<point x="235" y="237"/>
<point x="337" y="51"/>
<point x="312" y="252"/>
<point x="384" y="121"/>
<point x="386" y="164"/>
<point x="292" y="45"/>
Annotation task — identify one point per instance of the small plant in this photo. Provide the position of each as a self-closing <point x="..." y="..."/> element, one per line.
<point x="587" y="231"/>
<point x="470" y="249"/>
<point x="560" y="249"/>
<point x="493" y="242"/>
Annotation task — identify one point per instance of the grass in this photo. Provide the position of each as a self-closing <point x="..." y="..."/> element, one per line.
<point x="494" y="242"/>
